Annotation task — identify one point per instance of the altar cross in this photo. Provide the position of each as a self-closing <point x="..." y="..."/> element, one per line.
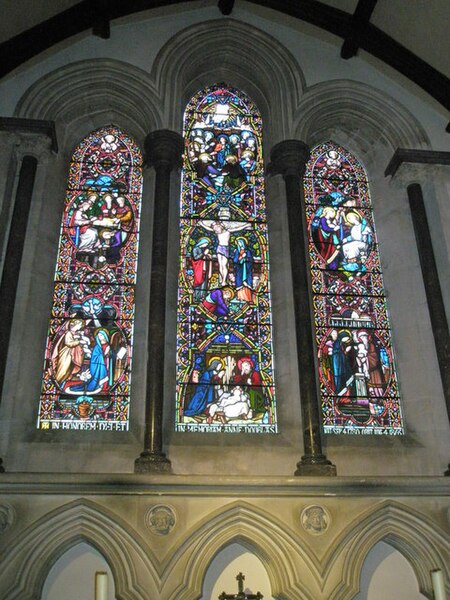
<point x="241" y="595"/>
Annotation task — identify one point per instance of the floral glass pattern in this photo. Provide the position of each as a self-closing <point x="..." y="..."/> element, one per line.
<point x="358" y="383"/>
<point x="87" y="370"/>
<point x="224" y="335"/>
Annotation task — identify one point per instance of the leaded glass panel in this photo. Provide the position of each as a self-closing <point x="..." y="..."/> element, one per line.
<point x="357" y="378"/>
<point x="224" y="336"/>
<point x="87" y="368"/>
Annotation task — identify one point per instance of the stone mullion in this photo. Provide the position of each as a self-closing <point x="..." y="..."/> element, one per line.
<point x="164" y="149"/>
<point x="432" y="286"/>
<point x="289" y="159"/>
<point x="13" y="255"/>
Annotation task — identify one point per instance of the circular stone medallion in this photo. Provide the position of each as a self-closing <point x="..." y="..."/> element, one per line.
<point x="160" y="519"/>
<point x="315" y="519"/>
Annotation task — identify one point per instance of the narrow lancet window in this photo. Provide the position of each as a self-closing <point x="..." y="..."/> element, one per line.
<point x="358" y="383"/>
<point x="87" y="370"/>
<point x="224" y="336"/>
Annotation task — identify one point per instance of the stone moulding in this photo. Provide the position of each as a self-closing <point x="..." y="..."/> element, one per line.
<point x="7" y="517"/>
<point x="88" y="87"/>
<point x="153" y="99"/>
<point x="201" y="485"/>
<point x="351" y="106"/>
<point x="43" y="543"/>
<point x="414" y="535"/>
<point x="176" y="571"/>
<point x="194" y="59"/>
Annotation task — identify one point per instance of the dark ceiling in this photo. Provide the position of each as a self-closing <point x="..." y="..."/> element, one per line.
<point x="49" y="25"/>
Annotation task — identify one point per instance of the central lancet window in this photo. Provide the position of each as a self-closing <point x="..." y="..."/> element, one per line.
<point x="224" y="336"/>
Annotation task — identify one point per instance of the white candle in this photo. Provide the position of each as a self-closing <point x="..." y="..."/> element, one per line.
<point x="437" y="579"/>
<point x="101" y="586"/>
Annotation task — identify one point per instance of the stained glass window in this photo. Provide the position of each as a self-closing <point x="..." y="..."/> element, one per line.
<point x="87" y="370"/>
<point x="224" y="336"/>
<point x="358" y="383"/>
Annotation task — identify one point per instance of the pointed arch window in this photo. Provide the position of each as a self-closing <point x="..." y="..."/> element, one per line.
<point x="358" y="382"/>
<point x="224" y="336"/>
<point x="87" y="370"/>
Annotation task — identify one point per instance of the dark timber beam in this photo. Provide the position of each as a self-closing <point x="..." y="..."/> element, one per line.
<point x="87" y="14"/>
<point x="102" y="28"/>
<point x="226" y="6"/>
<point x="360" y="20"/>
<point x="375" y="41"/>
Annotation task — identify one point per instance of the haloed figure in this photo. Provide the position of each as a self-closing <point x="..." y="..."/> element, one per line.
<point x="250" y="379"/>
<point x="243" y="270"/>
<point x="205" y="392"/>
<point x="97" y="378"/>
<point x="68" y="353"/>
<point x="217" y="301"/>
<point x="223" y="230"/>
<point x="202" y="267"/>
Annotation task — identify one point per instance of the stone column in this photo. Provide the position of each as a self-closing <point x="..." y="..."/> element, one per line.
<point x="432" y="286"/>
<point x="26" y="146"/>
<point x="288" y="159"/>
<point x="13" y="254"/>
<point x="164" y="149"/>
<point x="8" y="141"/>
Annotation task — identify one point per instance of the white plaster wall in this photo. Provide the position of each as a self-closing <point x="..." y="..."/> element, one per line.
<point x="72" y="577"/>
<point x="222" y="572"/>
<point x="387" y="575"/>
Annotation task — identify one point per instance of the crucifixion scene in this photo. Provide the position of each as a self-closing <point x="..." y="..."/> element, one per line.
<point x="225" y="380"/>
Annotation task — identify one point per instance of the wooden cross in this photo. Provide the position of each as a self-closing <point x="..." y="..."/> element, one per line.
<point x="241" y="595"/>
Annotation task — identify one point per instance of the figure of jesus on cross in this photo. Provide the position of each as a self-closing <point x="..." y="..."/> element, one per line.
<point x="223" y="228"/>
<point x="241" y="595"/>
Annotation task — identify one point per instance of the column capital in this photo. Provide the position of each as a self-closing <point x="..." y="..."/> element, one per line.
<point x="424" y="157"/>
<point x="164" y="147"/>
<point x="289" y="158"/>
<point x="30" y="128"/>
<point x="37" y="145"/>
<point x="408" y="173"/>
<point x="22" y="144"/>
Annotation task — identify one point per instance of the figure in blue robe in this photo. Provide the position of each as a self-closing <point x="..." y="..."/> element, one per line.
<point x="342" y="370"/>
<point x="204" y="393"/>
<point x="98" y="366"/>
<point x="243" y="270"/>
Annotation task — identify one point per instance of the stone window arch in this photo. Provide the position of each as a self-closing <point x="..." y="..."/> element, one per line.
<point x="356" y="369"/>
<point x="87" y="370"/>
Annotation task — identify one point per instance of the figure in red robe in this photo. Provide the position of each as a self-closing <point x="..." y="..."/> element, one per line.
<point x="202" y="267"/>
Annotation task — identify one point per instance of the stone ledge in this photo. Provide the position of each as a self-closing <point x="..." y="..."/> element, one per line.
<point x="128" y="484"/>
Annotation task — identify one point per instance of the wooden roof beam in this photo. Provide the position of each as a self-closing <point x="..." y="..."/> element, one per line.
<point x="360" y="20"/>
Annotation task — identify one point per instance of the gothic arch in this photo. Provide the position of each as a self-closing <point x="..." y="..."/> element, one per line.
<point x="261" y="534"/>
<point x="420" y="541"/>
<point x="356" y="115"/>
<point x="207" y="53"/>
<point x="92" y="93"/>
<point x="41" y="545"/>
